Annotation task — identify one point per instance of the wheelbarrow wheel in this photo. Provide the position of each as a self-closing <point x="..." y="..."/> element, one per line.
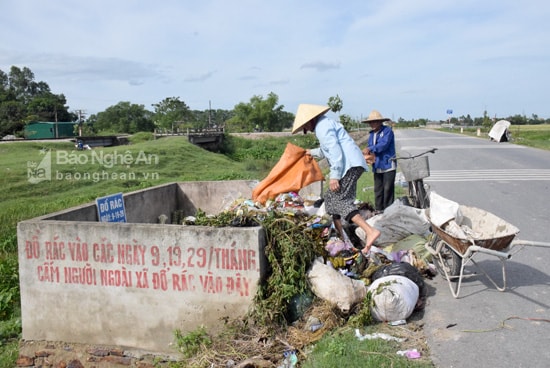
<point x="450" y="261"/>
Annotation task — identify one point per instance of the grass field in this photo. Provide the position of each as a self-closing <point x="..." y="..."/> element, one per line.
<point x="537" y="136"/>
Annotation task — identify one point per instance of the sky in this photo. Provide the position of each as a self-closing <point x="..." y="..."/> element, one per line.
<point x="410" y="59"/>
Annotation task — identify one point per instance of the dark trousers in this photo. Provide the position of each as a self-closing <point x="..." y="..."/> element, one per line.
<point x="384" y="187"/>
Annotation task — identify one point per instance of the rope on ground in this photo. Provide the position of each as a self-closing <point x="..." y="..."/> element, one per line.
<point x="504" y="325"/>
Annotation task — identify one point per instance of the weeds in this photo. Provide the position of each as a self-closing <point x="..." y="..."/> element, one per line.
<point x="9" y="286"/>
<point x="193" y="342"/>
<point x="343" y="349"/>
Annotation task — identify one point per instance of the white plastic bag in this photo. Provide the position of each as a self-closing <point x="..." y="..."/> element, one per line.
<point x="443" y="210"/>
<point x="396" y="223"/>
<point x="394" y="298"/>
<point x="329" y="284"/>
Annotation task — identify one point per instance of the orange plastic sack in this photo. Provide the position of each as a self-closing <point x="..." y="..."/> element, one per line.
<point x="294" y="171"/>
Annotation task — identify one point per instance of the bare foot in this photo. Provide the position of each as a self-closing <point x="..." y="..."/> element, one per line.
<point x="372" y="235"/>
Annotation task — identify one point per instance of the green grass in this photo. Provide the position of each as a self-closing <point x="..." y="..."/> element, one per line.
<point x="537" y="136"/>
<point x="81" y="176"/>
<point x="343" y="349"/>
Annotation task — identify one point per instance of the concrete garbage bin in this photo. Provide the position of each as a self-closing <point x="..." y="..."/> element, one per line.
<point x="132" y="284"/>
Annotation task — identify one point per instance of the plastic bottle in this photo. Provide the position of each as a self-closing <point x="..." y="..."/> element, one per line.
<point x="290" y="360"/>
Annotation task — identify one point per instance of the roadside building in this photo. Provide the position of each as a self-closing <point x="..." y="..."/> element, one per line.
<point x="47" y="130"/>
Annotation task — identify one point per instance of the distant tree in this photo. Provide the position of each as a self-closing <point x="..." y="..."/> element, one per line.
<point x="22" y="99"/>
<point x="12" y="117"/>
<point x="170" y="113"/>
<point x="534" y="119"/>
<point x="259" y="114"/>
<point x="124" y="117"/>
<point x="5" y="94"/>
<point x="487" y="123"/>
<point x="517" y="120"/>
<point x="49" y="107"/>
<point x="346" y="121"/>
<point x="213" y="118"/>
<point x="478" y="121"/>
<point x="286" y="119"/>
<point x="335" y="103"/>
<point x="89" y="126"/>
<point x="217" y="117"/>
<point x="468" y="120"/>
<point x="21" y="83"/>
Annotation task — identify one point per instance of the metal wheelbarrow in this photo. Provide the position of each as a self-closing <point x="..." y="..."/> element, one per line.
<point x="479" y="231"/>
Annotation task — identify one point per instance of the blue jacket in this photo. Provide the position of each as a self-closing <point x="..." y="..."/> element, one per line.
<point x="383" y="149"/>
<point x="340" y="150"/>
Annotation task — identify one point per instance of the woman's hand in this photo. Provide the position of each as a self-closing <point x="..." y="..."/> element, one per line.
<point x="370" y="158"/>
<point x="334" y="185"/>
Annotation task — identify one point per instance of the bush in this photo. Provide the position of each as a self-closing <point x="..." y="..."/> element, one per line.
<point x="141" y="137"/>
<point x="9" y="286"/>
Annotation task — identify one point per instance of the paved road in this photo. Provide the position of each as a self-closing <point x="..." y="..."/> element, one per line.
<point x="485" y="327"/>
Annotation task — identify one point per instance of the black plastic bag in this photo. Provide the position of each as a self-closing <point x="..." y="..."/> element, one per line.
<point x="409" y="271"/>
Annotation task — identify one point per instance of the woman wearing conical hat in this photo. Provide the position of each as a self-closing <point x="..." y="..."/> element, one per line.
<point x="346" y="162"/>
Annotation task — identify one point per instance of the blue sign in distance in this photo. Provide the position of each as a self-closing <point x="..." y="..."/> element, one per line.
<point x="111" y="208"/>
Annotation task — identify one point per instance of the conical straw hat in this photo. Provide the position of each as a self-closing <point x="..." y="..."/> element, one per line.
<point x="375" y="116"/>
<point x="305" y="113"/>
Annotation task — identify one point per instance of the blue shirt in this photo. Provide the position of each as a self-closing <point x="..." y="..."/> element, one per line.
<point x="337" y="146"/>
<point x="382" y="144"/>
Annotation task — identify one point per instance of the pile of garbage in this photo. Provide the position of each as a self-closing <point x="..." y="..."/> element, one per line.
<point x="319" y="281"/>
<point x="320" y="262"/>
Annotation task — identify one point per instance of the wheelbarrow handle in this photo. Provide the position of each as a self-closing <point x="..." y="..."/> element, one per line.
<point x="475" y="248"/>
<point x="530" y="243"/>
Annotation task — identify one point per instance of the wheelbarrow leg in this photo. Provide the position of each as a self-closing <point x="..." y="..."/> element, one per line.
<point x="465" y="259"/>
<point x="454" y="290"/>
<point x="435" y="248"/>
<point x="502" y="256"/>
<point x="503" y="264"/>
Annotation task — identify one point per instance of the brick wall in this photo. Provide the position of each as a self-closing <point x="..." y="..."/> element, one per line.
<point x="68" y="355"/>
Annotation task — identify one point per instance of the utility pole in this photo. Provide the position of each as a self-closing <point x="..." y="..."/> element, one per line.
<point x="209" y="114"/>
<point x="80" y="116"/>
<point x="56" y="129"/>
